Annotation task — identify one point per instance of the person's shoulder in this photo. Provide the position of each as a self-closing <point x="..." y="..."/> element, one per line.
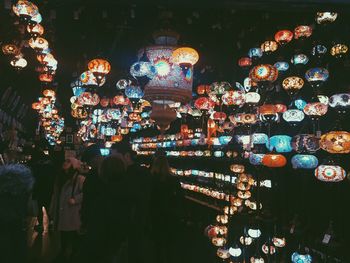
<point x="80" y="178"/>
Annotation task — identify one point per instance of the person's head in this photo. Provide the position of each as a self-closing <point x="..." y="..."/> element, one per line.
<point x="15" y="180"/>
<point x="112" y="169"/>
<point x="92" y="156"/>
<point x="71" y="165"/>
<point x="160" y="166"/>
<point x="124" y="151"/>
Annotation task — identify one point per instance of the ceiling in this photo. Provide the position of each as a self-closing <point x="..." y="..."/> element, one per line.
<point x="222" y="31"/>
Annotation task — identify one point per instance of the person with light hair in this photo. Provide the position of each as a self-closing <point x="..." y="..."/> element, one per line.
<point x="65" y="206"/>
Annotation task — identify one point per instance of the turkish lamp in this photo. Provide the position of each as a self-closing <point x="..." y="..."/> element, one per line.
<point x="185" y="57"/>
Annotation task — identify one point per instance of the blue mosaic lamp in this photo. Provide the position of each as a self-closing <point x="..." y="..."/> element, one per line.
<point x="304" y="161"/>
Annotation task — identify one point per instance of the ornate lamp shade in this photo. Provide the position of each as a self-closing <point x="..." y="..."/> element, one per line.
<point x="100" y="68"/>
<point x="336" y="142"/>
<point x="218" y="241"/>
<point x="293" y="116"/>
<point x="300" y="104"/>
<point x="279" y="241"/>
<point x="274" y="160"/>
<point x="304" y="161"/>
<point x="248" y="84"/>
<point x="305" y="143"/>
<point x="319" y="51"/>
<point x="203" y="89"/>
<point x="173" y="82"/>
<point x="219" y="88"/>
<point x="281" y="66"/>
<point x="10" y="49"/>
<point x="79" y="113"/>
<point x="25" y="9"/>
<point x="18" y="63"/>
<point x="326" y="17"/>
<point x="316" y="109"/>
<point x="35" y="30"/>
<point x="142" y="68"/>
<point x="134" y="92"/>
<point x="88" y="78"/>
<point x="89" y="99"/>
<point x="339" y="50"/>
<point x="292" y="84"/>
<point x="280" y="108"/>
<point x="219" y="116"/>
<point x="283" y="37"/>
<point x="204" y="104"/>
<point x="245" y="118"/>
<point x="120" y="100"/>
<point x="49" y="93"/>
<point x="340" y="101"/>
<point x="252" y="97"/>
<point x="223" y="253"/>
<point x="268" y="112"/>
<point x="260" y="138"/>
<point x="233" y="97"/>
<point x="47" y="60"/>
<point x="330" y="173"/>
<point x="46" y="77"/>
<point x="237" y="168"/>
<point x="300" y="258"/>
<point x="269" y="46"/>
<point x="280" y="143"/>
<point x="302" y="32"/>
<point x="245" y="62"/>
<point x="255" y="53"/>
<point x="235" y="251"/>
<point x="185" y="56"/>
<point x="38" y="43"/>
<point x="257" y="259"/>
<point x="256" y="159"/>
<point x="36" y="106"/>
<point x="263" y="72"/>
<point x="123" y="83"/>
<point x="299" y="59"/>
<point x="268" y="249"/>
<point x="316" y="76"/>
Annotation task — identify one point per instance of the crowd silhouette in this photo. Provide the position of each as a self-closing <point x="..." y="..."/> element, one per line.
<point x="117" y="210"/>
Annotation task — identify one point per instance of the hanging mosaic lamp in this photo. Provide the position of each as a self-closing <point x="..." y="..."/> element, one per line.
<point x="336" y="142"/>
<point x="283" y="37"/>
<point x="330" y="173"/>
<point x="304" y="161"/>
<point x="263" y="72"/>
<point x="274" y="160"/>
<point x="280" y="143"/>
<point x="100" y="68"/>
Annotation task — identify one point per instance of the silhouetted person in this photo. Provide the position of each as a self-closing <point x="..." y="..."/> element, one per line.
<point x="16" y="183"/>
<point x="138" y="187"/>
<point x="44" y="173"/>
<point x="92" y="184"/>
<point x="66" y="204"/>
<point x="108" y="226"/>
<point x="166" y="209"/>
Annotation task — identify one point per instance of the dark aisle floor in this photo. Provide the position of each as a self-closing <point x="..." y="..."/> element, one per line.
<point x="192" y="246"/>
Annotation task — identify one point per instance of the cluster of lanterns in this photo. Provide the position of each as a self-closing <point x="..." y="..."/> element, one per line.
<point x="105" y="118"/>
<point x="136" y="104"/>
<point x="225" y="115"/>
<point x="236" y="245"/>
<point x="49" y="119"/>
<point x="30" y="18"/>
